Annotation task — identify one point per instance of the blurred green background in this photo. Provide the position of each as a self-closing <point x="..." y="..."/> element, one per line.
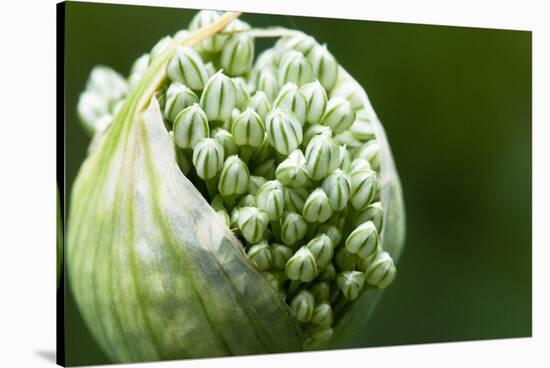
<point x="456" y="105"/>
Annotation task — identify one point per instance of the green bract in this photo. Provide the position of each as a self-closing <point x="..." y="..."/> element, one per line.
<point x="154" y="259"/>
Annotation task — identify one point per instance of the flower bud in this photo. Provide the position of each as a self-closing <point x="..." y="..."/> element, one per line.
<point x="202" y="19"/>
<point x="208" y="158"/>
<point x="347" y="139"/>
<point x="322" y="157"/>
<point x="350" y="283"/>
<point x="234" y="177"/>
<point x="322" y="315"/>
<point x="344" y="260"/>
<point x="219" y="97"/>
<point x="362" y="129"/>
<point x="107" y="83"/>
<point x="160" y="47"/>
<point x="227" y="140"/>
<point x="178" y="97"/>
<point x="267" y="60"/>
<point x="266" y="169"/>
<point x="295" y="199"/>
<point x="364" y="185"/>
<point x="242" y="92"/>
<point x="337" y="186"/>
<point x="181" y="34"/>
<point x="322" y="249"/>
<point x="299" y="42"/>
<point x="317" y="207"/>
<point x="187" y="68"/>
<point x="370" y="151"/>
<point x="261" y="255"/>
<point x="210" y="69"/>
<point x="363" y="264"/>
<point x="267" y="82"/>
<point x="248" y="129"/>
<point x="234" y="218"/>
<point x="350" y="91"/>
<point x="190" y="126"/>
<point x="137" y="70"/>
<point x="294" y="67"/>
<point x="316" y="101"/>
<point x="237" y="55"/>
<point x="252" y="223"/>
<point x="334" y="233"/>
<point x="291" y="99"/>
<point x="381" y="271"/>
<point x="345" y="158"/>
<point x="270" y="199"/>
<point x="314" y="130"/>
<point x="375" y="213"/>
<point x="247" y="201"/>
<point x="293" y="228"/>
<point x="360" y="164"/>
<point x="338" y="116"/>
<point x="302" y="266"/>
<point x="320" y="334"/>
<point x="292" y="172"/>
<point x="324" y="66"/>
<point x="284" y="131"/>
<point x="91" y="107"/>
<point x="302" y="306"/>
<point x="281" y="255"/>
<point x="254" y="183"/>
<point x="363" y="241"/>
<point x="328" y="274"/>
<point x="321" y="291"/>
<point x="259" y="103"/>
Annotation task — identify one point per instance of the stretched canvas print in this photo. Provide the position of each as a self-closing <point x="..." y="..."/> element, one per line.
<point x="236" y="184"/>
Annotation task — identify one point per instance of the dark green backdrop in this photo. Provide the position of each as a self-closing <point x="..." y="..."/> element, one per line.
<point x="456" y="104"/>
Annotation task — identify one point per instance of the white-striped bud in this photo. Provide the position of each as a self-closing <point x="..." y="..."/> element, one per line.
<point x="334" y="233"/>
<point x="292" y="172"/>
<point x="261" y="255"/>
<point x="227" y="140"/>
<point x="237" y="55"/>
<point x="322" y="157"/>
<point x="190" y="126"/>
<point x="280" y="254"/>
<point x="259" y="103"/>
<point x="186" y="67"/>
<point x="370" y="151"/>
<point x="345" y="158"/>
<point x="178" y="97"/>
<point x="208" y="158"/>
<point x="322" y="315"/>
<point x="253" y="223"/>
<point x="293" y="228"/>
<point x="219" y="97"/>
<point x="316" y="101"/>
<point x="248" y="129"/>
<point x="344" y="260"/>
<point x="339" y="115"/>
<point x="242" y="93"/>
<point x="291" y="99"/>
<point x="337" y="186"/>
<point x="299" y="42"/>
<point x="364" y="186"/>
<point x="350" y="283"/>
<point x="317" y="207"/>
<point x="322" y="249"/>
<point x="324" y="66"/>
<point x="363" y="241"/>
<point x="295" y="199"/>
<point x="375" y="213"/>
<point x="284" y="131"/>
<point x="254" y="183"/>
<point x="381" y="271"/>
<point x="270" y="199"/>
<point x="234" y="177"/>
<point x="314" y="130"/>
<point x="267" y="82"/>
<point x="202" y="19"/>
<point x="302" y="266"/>
<point x="302" y="306"/>
<point x="294" y="67"/>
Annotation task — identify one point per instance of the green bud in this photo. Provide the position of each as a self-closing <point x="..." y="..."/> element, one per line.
<point x="247" y="201"/>
<point x="242" y="92"/>
<point x="345" y="158"/>
<point x="294" y="67"/>
<point x="322" y="315"/>
<point x="334" y="233"/>
<point x="321" y="291"/>
<point x="347" y="139"/>
<point x="270" y="199"/>
<point x="350" y="283"/>
<point x="345" y="261"/>
<point x="234" y="177"/>
<point x="227" y="140"/>
<point x="299" y="42"/>
<point x="259" y="103"/>
<point x="281" y="255"/>
<point x="267" y="82"/>
<point x="337" y="186"/>
<point x="219" y="97"/>
<point x="364" y="186"/>
<point x="293" y="228"/>
<point x="375" y="213"/>
<point x="252" y="223"/>
<point x="248" y="129"/>
<point x="292" y="172"/>
<point x="302" y="266"/>
<point x="187" y="68"/>
<point x="324" y="66"/>
<point x="261" y="255"/>
<point x="363" y="264"/>
<point x="254" y="183"/>
<point x="362" y="129"/>
<point x="237" y="55"/>
<point x="234" y="218"/>
<point x="160" y="47"/>
<point x="320" y="333"/>
<point x="295" y="199"/>
<point x="291" y="99"/>
<point x="381" y="271"/>
<point x="190" y="126"/>
<point x="370" y="151"/>
<point x="363" y="241"/>
<point x="338" y="115"/>
<point x="284" y="131"/>
<point x="322" y="249"/>
<point x="317" y="207"/>
<point x="328" y="274"/>
<point x="314" y="130"/>
<point x="302" y="306"/>
<point x="208" y="158"/>
<point x="316" y="101"/>
<point x="322" y="157"/>
<point x="202" y="19"/>
<point x="178" y="97"/>
<point x="266" y="169"/>
<point x="360" y="164"/>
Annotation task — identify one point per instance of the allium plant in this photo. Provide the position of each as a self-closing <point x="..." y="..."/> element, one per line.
<point x="231" y="204"/>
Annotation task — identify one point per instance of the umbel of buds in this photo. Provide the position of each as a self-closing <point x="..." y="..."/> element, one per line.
<point x="251" y="205"/>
